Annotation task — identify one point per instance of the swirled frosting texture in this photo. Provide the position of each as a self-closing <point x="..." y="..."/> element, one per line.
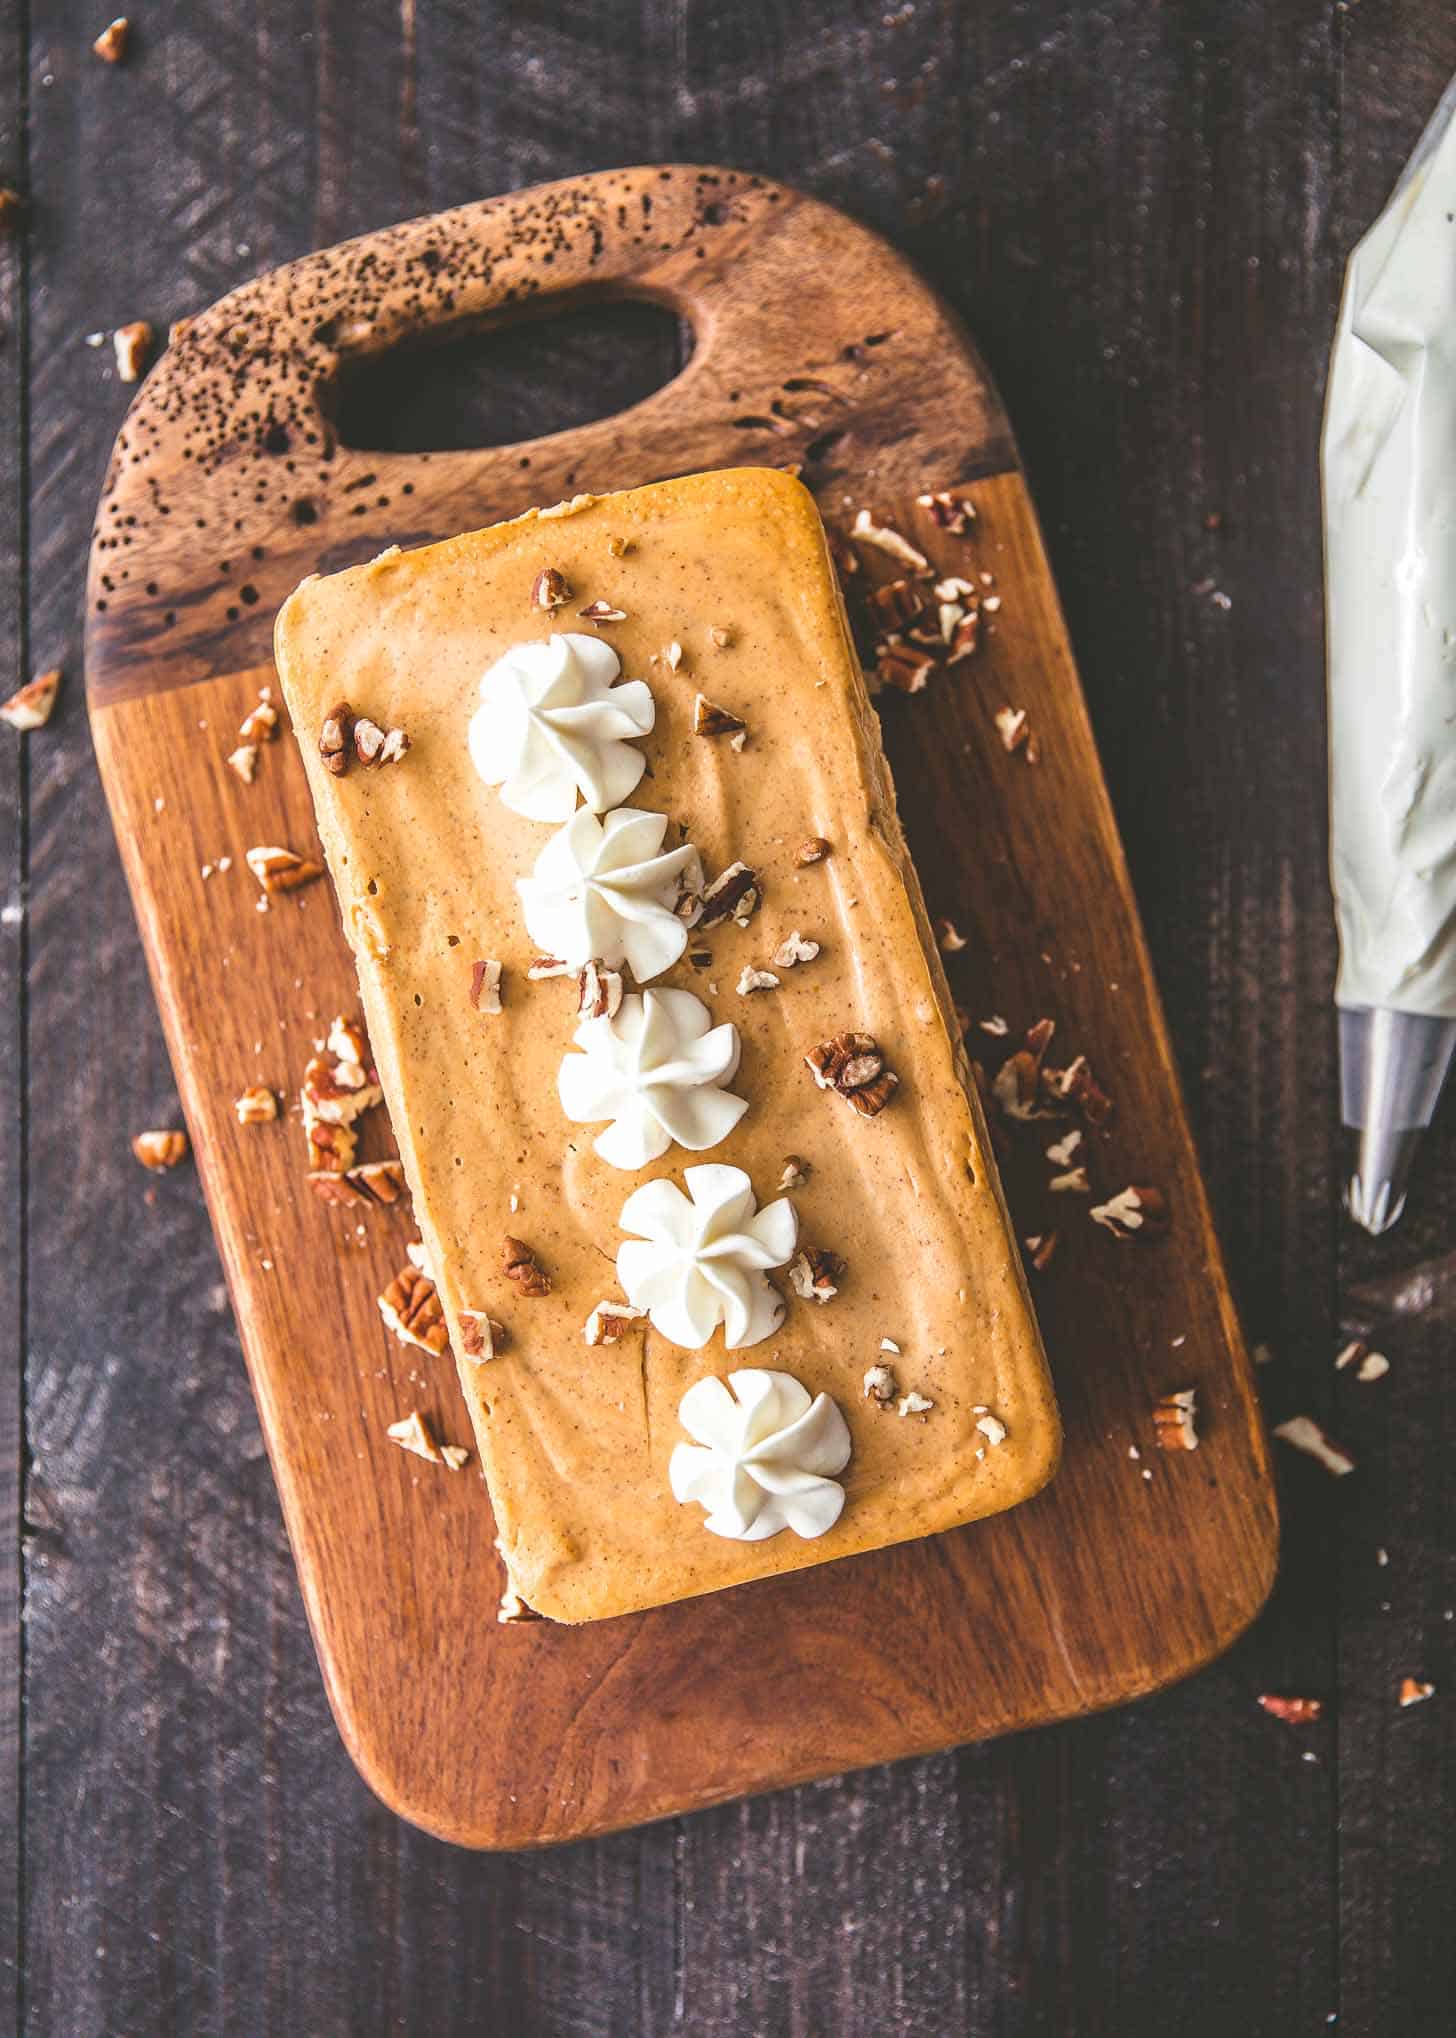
<point x="656" y="1070"/>
<point x="701" y="1259"/>
<point x="606" y="890"/>
<point x="552" y="724"/>
<point x="763" y="1457"/>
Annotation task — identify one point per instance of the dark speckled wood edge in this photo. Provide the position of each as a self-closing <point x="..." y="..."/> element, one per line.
<point x="817" y="345"/>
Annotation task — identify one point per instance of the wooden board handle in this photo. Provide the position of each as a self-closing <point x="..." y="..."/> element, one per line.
<point x="234" y="429"/>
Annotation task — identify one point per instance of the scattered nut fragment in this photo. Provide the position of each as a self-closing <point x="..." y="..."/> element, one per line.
<point x="256" y="1106"/>
<point x="12" y="210"/>
<point x="521" y="1266"/>
<point x="915" y="1404"/>
<point x="412" y="1433"/>
<point x="598" y="991"/>
<point x="244" y="761"/>
<point x="132" y="344"/>
<point x="609" y="1322"/>
<point x="733" y="894"/>
<point x="620" y="547"/>
<point x="854" y="1065"/>
<point x="1016" y="733"/>
<point x="1076" y="1085"/>
<point x="672" y="657"/>
<point x="880" y="1385"/>
<point x="513" y="1609"/>
<point x="896" y="605"/>
<point x="953" y="513"/>
<point x="1368" y="1365"/>
<point x="949" y="936"/>
<point x="1174" y="1420"/>
<point x="718" y="637"/>
<point x="793" y="950"/>
<point x="160" y="1150"/>
<point x="886" y="539"/>
<point x="1296" y="1712"/>
<point x="1306" y="1435"/>
<point x="336" y="738"/>
<point x="282" y="870"/>
<point x="1132" y="1213"/>
<point x="1413" y="1690"/>
<point x="1073" y="1182"/>
<point x="902" y="666"/>
<point x="996" y="1026"/>
<point x="751" y="979"/>
<point x="111" y="44"/>
<point x="550" y="589"/>
<point x="260" y="724"/>
<point x="709" y="719"/>
<point x="330" y="1152"/>
<point x="1060" y="1152"/>
<point x="992" y="1428"/>
<point x="332" y="1186"/>
<point x="481" y="1337"/>
<point x="485" y="986"/>
<point x="411" y="1308"/>
<point x="813" y="850"/>
<point x="455" y="1456"/>
<point x="1041" y="1248"/>
<point x="340" y="1082"/>
<point x="815" y="1274"/>
<point x="378" y="1181"/>
<point x="543" y="966"/>
<point x="375" y="746"/>
<point x="31" y="706"/>
<point x="796" y="1171"/>
<point x="1016" y="1085"/>
<point x="1374" y="1366"/>
<point x="602" y="612"/>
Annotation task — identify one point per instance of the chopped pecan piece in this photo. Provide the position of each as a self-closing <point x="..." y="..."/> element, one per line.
<point x="485" y="986"/>
<point x="813" y="850"/>
<point x="965" y="635"/>
<point x="1017" y="1086"/>
<point x="903" y="666"/>
<point x="598" y="991"/>
<point x="336" y="738"/>
<point x="1076" y="1085"/>
<point x="543" y="966"/>
<point x="796" y="1171"/>
<point x="602" y="612"/>
<point x="672" y="657"/>
<point x="949" y="937"/>
<point x="751" y="979"/>
<point x="880" y="1385"/>
<point x="379" y="1181"/>
<point x="718" y="637"/>
<point x="1015" y="731"/>
<point x="256" y="1106"/>
<point x="709" y="719"/>
<point x="953" y="513"/>
<point x="132" y="344"/>
<point x="733" y="895"/>
<point x="1296" y="1712"/>
<point x="1133" y="1213"/>
<point x="338" y="1190"/>
<point x="915" y="1404"/>
<point x="30" y="707"/>
<point x="1306" y="1435"/>
<point x="375" y="746"/>
<point x="340" y="1082"/>
<point x="1041" y="1247"/>
<point x="1174" y="1420"/>
<point x="1413" y="1690"/>
<point x="244" y="761"/>
<point x="794" y="949"/>
<point x="260" y="724"/>
<point x="854" y="1065"/>
<point x="160" y="1150"/>
<point x="886" y="539"/>
<point x="896" y="605"/>
<point x="411" y="1308"/>
<point x="609" y="1322"/>
<point x="549" y="590"/>
<point x="455" y="1456"/>
<point x="331" y="1149"/>
<point x="992" y="1428"/>
<point x="282" y="870"/>
<point x="815" y="1274"/>
<point x="412" y="1433"/>
<point x="481" y="1337"/>
<point x="521" y="1266"/>
<point x="111" y="44"/>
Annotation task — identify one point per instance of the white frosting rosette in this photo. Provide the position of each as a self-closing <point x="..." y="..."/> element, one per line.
<point x="701" y="1259"/>
<point x="655" y="1068"/>
<point x="764" y="1456"/>
<point x="552" y="724"/>
<point x="605" y="891"/>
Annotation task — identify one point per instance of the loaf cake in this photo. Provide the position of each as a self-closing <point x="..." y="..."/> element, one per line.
<point x="669" y="1054"/>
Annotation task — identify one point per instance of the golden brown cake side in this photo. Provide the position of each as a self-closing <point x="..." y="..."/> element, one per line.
<point x="725" y="590"/>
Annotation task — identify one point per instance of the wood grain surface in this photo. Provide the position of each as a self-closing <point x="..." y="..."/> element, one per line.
<point x="1143" y="213"/>
<point x="814" y="344"/>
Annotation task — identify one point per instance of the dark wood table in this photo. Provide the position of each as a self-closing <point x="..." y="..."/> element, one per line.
<point x="1143" y="211"/>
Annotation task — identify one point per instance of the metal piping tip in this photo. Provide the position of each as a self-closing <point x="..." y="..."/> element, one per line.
<point x="1393" y="1066"/>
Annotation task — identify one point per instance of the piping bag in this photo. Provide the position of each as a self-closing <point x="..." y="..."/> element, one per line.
<point x="1389" y="470"/>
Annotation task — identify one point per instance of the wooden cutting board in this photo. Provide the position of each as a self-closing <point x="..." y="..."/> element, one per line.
<point x="815" y="344"/>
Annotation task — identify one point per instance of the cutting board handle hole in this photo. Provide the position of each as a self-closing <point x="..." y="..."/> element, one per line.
<point x="461" y="391"/>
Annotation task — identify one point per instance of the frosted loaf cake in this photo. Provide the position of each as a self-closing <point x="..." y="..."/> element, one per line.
<point x="666" y="1043"/>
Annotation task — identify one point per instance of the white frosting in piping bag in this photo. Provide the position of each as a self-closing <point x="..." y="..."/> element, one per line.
<point x="551" y="724"/>
<point x="605" y="890"/>
<point x="654" y="1068"/>
<point x="701" y="1262"/>
<point x="764" y="1456"/>
<point x="1389" y="455"/>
